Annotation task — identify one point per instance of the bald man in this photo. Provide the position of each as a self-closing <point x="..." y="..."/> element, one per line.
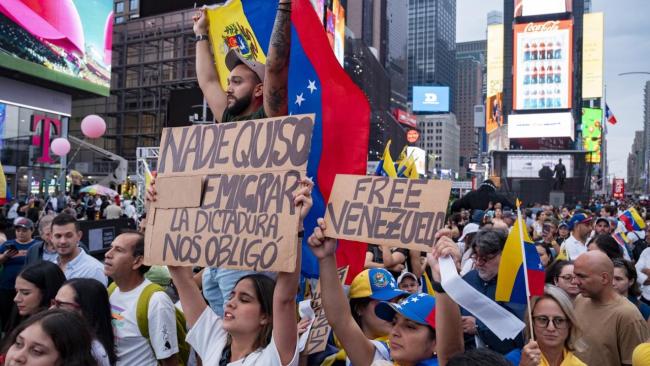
<point x="611" y="325"/>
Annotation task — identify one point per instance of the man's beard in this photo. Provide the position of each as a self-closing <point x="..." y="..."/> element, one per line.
<point x="240" y="105"/>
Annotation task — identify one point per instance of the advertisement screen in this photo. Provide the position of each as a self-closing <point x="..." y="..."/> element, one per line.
<point x="339" y="31"/>
<point x="431" y="99"/>
<point x="419" y="155"/>
<point x="405" y="118"/>
<point x="543" y="65"/>
<point x="536" y="7"/>
<point x="540" y="125"/>
<point x="592" y="133"/>
<point x="319" y="6"/>
<point x="537" y="166"/>
<point x="592" y="55"/>
<point x="67" y="42"/>
<point x="494" y="102"/>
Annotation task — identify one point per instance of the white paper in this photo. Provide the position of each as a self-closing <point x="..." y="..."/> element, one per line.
<point x="305" y="311"/>
<point x="500" y="321"/>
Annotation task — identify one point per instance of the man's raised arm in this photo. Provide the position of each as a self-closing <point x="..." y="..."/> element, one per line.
<point x="277" y="63"/>
<point x="206" y="72"/>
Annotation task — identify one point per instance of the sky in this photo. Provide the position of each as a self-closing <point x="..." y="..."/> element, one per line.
<point x="627" y="48"/>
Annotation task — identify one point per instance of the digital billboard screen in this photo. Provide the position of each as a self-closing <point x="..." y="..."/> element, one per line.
<point x="494" y="102"/>
<point x="592" y="133"/>
<point x="431" y="99"/>
<point x="67" y="41"/>
<point x="543" y="65"/>
<point x="541" y="125"/>
<point x="537" y="166"/>
<point x="538" y="7"/>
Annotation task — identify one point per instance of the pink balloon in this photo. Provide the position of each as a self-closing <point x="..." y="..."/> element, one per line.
<point x="93" y="126"/>
<point x="60" y="146"/>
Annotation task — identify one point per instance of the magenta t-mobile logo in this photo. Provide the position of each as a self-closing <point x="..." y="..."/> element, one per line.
<point x="43" y="140"/>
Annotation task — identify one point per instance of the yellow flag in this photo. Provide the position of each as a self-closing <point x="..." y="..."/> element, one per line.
<point x="229" y="28"/>
<point x="3" y="186"/>
<point x="147" y="176"/>
<point x="387" y="165"/>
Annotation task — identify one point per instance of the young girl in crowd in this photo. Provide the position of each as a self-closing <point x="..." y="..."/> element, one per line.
<point x="52" y="338"/>
<point x="259" y="323"/>
<point x="625" y="283"/>
<point x="95" y="308"/>
<point x="36" y="286"/>
<point x="555" y="329"/>
<point x="424" y="330"/>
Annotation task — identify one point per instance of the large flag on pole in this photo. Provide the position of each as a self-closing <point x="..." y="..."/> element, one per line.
<point x="520" y="276"/>
<point x="317" y="84"/>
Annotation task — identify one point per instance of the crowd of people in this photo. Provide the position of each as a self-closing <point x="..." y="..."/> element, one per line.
<point x="61" y="305"/>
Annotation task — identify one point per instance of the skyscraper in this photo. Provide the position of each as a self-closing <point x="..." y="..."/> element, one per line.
<point x="469" y="91"/>
<point x="431" y="43"/>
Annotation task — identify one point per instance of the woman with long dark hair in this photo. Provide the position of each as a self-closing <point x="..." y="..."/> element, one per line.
<point x="89" y="298"/>
<point x="52" y="338"/>
<point x="36" y="286"/>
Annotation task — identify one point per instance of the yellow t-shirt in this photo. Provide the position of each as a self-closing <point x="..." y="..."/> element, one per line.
<point x="569" y="360"/>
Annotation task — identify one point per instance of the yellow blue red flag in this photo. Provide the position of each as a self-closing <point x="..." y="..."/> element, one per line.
<point x="632" y="220"/>
<point x="511" y="280"/>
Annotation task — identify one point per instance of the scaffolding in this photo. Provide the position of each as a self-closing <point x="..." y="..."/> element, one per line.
<point x="151" y="57"/>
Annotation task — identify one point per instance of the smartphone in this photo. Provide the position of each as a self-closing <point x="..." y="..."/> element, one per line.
<point x="11" y="246"/>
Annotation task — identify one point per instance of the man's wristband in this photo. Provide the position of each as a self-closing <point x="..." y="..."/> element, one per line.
<point x="437" y="287"/>
<point x="201" y="37"/>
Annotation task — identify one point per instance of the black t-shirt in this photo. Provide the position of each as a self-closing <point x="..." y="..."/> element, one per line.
<point x="259" y="114"/>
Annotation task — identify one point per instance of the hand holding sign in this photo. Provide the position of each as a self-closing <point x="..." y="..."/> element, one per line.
<point x="444" y="247"/>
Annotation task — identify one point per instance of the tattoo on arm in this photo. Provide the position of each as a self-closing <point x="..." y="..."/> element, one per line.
<point x="280" y="37"/>
<point x="277" y="64"/>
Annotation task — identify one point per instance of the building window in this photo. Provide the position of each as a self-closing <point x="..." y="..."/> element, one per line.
<point x="119" y="7"/>
<point x="119" y="20"/>
<point x="133" y="4"/>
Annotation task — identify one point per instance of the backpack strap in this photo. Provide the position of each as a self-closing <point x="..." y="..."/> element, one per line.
<point x="111" y="288"/>
<point x="142" y="308"/>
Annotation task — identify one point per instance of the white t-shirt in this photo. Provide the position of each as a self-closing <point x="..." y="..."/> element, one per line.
<point x="641" y="264"/>
<point x="99" y="354"/>
<point x="208" y="339"/>
<point x="131" y="347"/>
<point x="574" y="247"/>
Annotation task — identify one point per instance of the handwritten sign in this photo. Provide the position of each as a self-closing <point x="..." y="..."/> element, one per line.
<point x="320" y="328"/>
<point x="225" y="194"/>
<point x="397" y="212"/>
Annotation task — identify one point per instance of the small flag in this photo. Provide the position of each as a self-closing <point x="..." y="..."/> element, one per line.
<point x="148" y="177"/>
<point x="632" y="220"/>
<point x="609" y="115"/>
<point x="3" y="186"/>
<point x="511" y="280"/>
<point x="386" y="165"/>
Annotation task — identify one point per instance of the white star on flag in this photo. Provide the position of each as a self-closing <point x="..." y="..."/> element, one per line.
<point x="398" y="306"/>
<point x="312" y="86"/>
<point x="422" y="294"/>
<point x="299" y="99"/>
<point x="415" y="299"/>
<point x="392" y="285"/>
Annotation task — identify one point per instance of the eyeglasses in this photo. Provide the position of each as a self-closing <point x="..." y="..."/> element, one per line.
<point x="558" y="322"/>
<point x="483" y="258"/>
<point x="61" y="304"/>
<point x="567" y="277"/>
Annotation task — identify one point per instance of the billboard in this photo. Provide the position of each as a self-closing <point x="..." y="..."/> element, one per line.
<point x="541" y="125"/>
<point x="537" y="166"/>
<point x="67" y="42"/>
<point x="592" y="133"/>
<point x="319" y="6"/>
<point x="527" y="8"/>
<point x="618" y="188"/>
<point x="494" y="102"/>
<point x="431" y="99"/>
<point x="405" y="118"/>
<point x="592" y="55"/>
<point x="339" y="30"/>
<point x="543" y="65"/>
<point x="419" y="155"/>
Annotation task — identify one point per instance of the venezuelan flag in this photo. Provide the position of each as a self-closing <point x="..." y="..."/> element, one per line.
<point x="632" y="220"/>
<point x="386" y="166"/>
<point x="317" y="84"/>
<point x="511" y="282"/>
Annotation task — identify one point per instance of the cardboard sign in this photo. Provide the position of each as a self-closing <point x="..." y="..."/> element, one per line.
<point x="320" y="328"/>
<point x="396" y="212"/>
<point x="225" y="194"/>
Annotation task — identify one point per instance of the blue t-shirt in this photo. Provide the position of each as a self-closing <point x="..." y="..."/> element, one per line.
<point x="14" y="265"/>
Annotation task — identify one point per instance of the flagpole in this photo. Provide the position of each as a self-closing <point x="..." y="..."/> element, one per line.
<point x="525" y="270"/>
